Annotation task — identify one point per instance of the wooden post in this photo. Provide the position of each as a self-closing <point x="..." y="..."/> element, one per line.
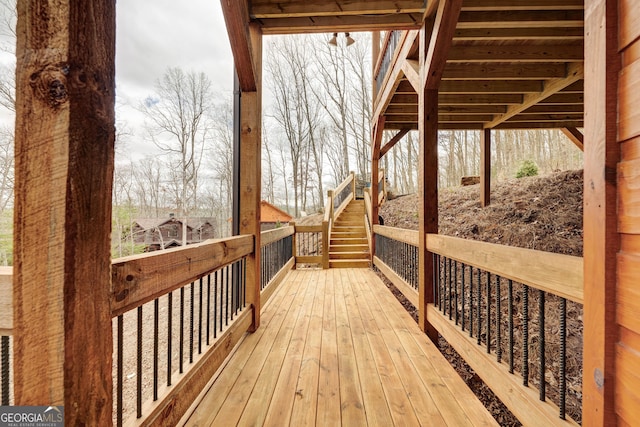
<point x="601" y="240"/>
<point x="65" y="93"/>
<point x="434" y="47"/>
<point x="251" y="174"/>
<point x="375" y="169"/>
<point x="428" y="208"/>
<point x="485" y="167"/>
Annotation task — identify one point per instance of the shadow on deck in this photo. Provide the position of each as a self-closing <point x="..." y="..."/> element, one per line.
<point x="336" y="348"/>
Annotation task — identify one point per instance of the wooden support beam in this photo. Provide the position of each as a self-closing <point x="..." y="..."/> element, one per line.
<point x="485" y="167"/>
<point x="270" y="9"/>
<point x="602" y="65"/>
<point x="551" y="87"/>
<point x="375" y="54"/>
<point x="64" y="150"/>
<point x="574" y="136"/>
<point x="236" y="17"/>
<point x="393" y="141"/>
<point x="441" y="40"/>
<point x="251" y="174"/>
<point x="411" y="70"/>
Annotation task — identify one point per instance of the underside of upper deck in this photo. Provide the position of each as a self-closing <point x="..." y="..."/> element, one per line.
<point x="510" y="65"/>
<point x="336" y="348"/>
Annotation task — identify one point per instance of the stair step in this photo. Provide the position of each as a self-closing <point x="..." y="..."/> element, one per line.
<point x="348" y="241"/>
<point x="349" y="263"/>
<point x="349" y="248"/>
<point x="349" y="255"/>
<point x="352" y="234"/>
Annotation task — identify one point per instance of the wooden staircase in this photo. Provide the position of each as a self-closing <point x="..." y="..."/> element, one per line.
<point x="348" y="246"/>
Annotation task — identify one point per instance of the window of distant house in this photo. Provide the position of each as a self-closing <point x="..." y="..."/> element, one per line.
<point x="173" y="231"/>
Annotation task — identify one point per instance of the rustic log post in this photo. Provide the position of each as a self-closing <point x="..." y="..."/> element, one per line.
<point x="485" y="167"/>
<point x="65" y="93"/>
<point x="601" y="239"/>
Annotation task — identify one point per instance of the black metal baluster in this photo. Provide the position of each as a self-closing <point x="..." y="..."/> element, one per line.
<point x="181" y="335"/>
<point x="563" y="357"/>
<point x="440" y="282"/>
<point x="119" y="373"/>
<point x="541" y="347"/>
<point x="191" y="322"/>
<point x="4" y="369"/>
<point x="525" y="335"/>
<point x="226" y="292"/>
<point x="200" y="316"/>
<point x="139" y="367"/>
<point x="449" y="297"/>
<point x="156" y="333"/>
<point x="169" y="334"/>
<point x="498" y="321"/>
<point x="470" y="301"/>
<point x="455" y="294"/>
<point x="464" y="267"/>
<point x="208" y="307"/>
<point x="215" y="304"/>
<point x="488" y="312"/>
<point x="510" y="292"/>
<point x="479" y="291"/>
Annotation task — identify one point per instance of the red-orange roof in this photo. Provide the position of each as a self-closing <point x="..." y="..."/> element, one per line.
<point x="270" y="213"/>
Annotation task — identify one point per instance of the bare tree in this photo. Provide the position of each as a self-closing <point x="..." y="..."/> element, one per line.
<point x="177" y="122"/>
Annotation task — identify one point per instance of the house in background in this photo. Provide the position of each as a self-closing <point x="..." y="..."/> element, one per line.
<point x="164" y="233"/>
<point x="272" y="217"/>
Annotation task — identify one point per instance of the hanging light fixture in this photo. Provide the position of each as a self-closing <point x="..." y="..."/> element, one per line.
<point x="350" y="39"/>
<point x="334" y="40"/>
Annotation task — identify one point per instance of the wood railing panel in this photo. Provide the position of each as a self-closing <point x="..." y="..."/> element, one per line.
<point x="276" y="234"/>
<point x="558" y="274"/>
<point x="522" y="401"/>
<point x="139" y="279"/>
<point x="178" y="399"/>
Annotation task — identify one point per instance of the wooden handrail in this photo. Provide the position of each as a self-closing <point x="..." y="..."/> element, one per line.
<point x="399" y="234"/>
<point x="557" y="274"/>
<point x="138" y="279"/>
<point x="270" y="236"/>
<point x="344" y="183"/>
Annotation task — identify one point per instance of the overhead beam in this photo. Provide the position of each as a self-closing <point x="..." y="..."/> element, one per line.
<point x="574" y="136"/>
<point x="490" y="86"/>
<point x="393" y="141"/>
<point x="504" y="71"/>
<point x="296" y="8"/>
<point x="517" y="53"/>
<point x="551" y="87"/>
<point x="520" y="33"/>
<point x="440" y="42"/>
<point x="490" y="5"/>
<point x="347" y="23"/>
<point x="508" y="18"/>
<point x="236" y="17"/>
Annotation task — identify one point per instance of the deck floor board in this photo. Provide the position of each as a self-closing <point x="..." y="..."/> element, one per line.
<point x="336" y="348"/>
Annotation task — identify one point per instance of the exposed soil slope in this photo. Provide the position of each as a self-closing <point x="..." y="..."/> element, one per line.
<point x="543" y="213"/>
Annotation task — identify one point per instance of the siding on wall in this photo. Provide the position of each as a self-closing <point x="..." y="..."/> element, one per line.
<point x="627" y="358"/>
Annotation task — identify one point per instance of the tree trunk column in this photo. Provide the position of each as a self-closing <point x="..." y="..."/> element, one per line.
<point x="65" y="93"/>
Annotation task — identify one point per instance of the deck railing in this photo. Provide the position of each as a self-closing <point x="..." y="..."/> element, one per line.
<point x="176" y="315"/>
<point x="389" y="46"/>
<point x="482" y="294"/>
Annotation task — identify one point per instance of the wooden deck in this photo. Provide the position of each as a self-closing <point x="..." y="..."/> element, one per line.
<point x="336" y="348"/>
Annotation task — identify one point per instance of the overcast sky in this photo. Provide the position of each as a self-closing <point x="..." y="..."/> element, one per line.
<point x="153" y="36"/>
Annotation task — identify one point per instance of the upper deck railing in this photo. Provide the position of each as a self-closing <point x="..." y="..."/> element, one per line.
<point x="384" y="60"/>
